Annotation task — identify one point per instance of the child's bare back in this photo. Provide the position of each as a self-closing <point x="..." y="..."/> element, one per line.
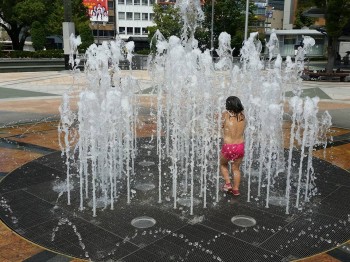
<point x="233" y="127"/>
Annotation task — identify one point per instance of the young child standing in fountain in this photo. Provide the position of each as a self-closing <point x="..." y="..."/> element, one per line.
<point x="233" y="124"/>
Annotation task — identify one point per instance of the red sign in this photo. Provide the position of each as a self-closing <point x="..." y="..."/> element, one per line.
<point x="98" y="10"/>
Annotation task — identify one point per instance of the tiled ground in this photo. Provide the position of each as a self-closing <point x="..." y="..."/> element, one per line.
<point x="24" y="143"/>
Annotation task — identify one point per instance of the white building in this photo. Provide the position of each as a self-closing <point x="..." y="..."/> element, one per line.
<point x="133" y="17"/>
<point x="289" y="11"/>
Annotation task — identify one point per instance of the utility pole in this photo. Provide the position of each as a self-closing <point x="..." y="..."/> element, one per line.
<point x="212" y="28"/>
<point x="68" y="29"/>
<point x="246" y="20"/>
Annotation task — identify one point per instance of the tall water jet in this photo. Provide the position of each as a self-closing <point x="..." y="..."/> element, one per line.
<point x="106" y="124"/>
<point x="190" y="91"/>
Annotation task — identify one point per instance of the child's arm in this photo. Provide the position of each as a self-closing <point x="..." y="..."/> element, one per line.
<point x="223" y="120"/>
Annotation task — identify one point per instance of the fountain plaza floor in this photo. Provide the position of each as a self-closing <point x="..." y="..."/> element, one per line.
<point x="30" y="161"/>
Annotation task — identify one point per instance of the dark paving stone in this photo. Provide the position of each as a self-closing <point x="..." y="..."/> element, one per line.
<point x="11" y="93"/>
<point x="342" y="137"/>
<point x="47" y="256"/>
<point x="339" y="254"/>
<point x="311" y="92"/>
<point x="13" y="118"/>
<point x="267" y="224"/>
<point x="340" y="117"/>
<point x="20" y="179"/>
<point x="308" y="235"/>
<point x="8" y="143"/>
<point x="335" y="204"/>
<point x="55" y="161"/>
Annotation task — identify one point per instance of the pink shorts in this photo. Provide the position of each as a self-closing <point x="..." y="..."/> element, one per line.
<point x="233" y="151"/>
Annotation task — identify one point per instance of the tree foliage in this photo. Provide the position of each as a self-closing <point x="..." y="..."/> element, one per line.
<point x="337" y="15"/>
<point x="37" y="32"/>
<point x="167" y="19"/>
<point x="86" y="35"/>
<point x="17" y="17"/>
<point x="229" y="16"/>
<point x="302" y="20"/>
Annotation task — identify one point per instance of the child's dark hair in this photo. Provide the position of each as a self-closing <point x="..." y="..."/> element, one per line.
<point x="234" y="105"/>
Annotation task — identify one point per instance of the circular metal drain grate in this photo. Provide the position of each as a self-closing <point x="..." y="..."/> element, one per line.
<point x="243" y="221"/>
<point x="145" y="186"/>
<point x="143" y="222"/>
<point x="186" y="201"/>
<point x="146" y="163"/>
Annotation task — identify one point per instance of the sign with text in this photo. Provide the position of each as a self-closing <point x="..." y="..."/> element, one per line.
<point x="98" y="10"/>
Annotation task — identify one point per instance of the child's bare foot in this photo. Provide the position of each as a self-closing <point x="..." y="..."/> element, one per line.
<point x="227" y="187"/>
<point x="235" y="192"/>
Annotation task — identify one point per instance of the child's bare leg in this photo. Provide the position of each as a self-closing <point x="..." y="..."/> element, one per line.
<point x="224" y="169"/>
<point x="236" y="172"/>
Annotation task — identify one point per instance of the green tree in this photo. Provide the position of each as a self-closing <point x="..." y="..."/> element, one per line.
<point x="37" y="32"/>
<point x="229" y="16"/>
<point x="302" y="20"/>
<point x="86" y="35"/>
<point x="167" y="19"/>
<point x="337" y="16"/>
<point x="17" y="17"/>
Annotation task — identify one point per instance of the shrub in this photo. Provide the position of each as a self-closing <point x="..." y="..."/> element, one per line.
<point x="143" y="52"/>
<point x="38" y="35"/>
<point x="52" y="53"/>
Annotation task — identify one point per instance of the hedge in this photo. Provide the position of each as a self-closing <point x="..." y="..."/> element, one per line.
<point x="52" y="53"/>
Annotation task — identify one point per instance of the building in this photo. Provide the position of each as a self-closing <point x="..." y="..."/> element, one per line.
<point x="289" y="10"/>
<point x="290" y="40"/>
<point x="128" y="19"/>
<point x="267" y="16"/>
<point x="277" y="14"/>
<point x="133" y="17"/>
<point x="277" y="4"/>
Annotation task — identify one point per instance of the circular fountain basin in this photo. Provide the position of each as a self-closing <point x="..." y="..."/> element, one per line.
<point x="29" y="205"/>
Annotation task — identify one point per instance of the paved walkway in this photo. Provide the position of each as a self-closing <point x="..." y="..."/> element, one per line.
<point x="33" y="99"/>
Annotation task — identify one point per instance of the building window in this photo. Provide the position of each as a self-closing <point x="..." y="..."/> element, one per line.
<point x="121" y="2"/>
<point x="137" y="31"/>
<point x="121" y="15"/>
<point x="129" y="2"/>
<point x="128" y="15"/>
<point x="110" y="5"/>
<point x="122" y="30"/>
<point x="260" y="11"/>
<point x="144" y="2"/>
<point x="111" y="19"/>
<point x="145" y="16"/>
<point x="289" y="40"/>
<point x="151" y="16"/>
<point x="137" y="16"/>
<point x="151" y="2"/>
<point x="144" y="31"/>
<point x="129" y="30"/>
<point x="137" y="2"/>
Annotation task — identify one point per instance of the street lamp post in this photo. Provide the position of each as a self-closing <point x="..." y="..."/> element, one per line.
<point x="212" y="28"/>
<point x="68" y="29"/>
<point x="246" y="20"/>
